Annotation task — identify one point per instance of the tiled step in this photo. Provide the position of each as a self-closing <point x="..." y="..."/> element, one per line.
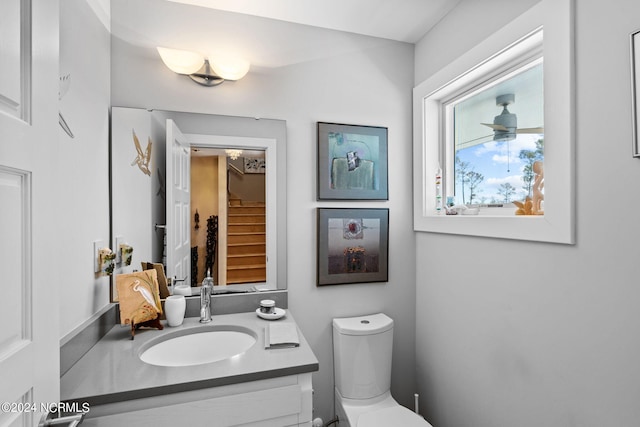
<point x="246" y="259"/>
<point x="246" y="210"/>
<point x="246" y="248"/>
<point x="246" y="238"/>
<point x="245" y="218"/>
<point x="246" y="227"/>
<point x="236" y="201"/>
<point x="246" y="273"/>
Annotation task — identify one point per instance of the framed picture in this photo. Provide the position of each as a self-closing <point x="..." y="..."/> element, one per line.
<point x="635" y="89"/>
<point x="254" y="165"/>
<point x="353" y="245"/>
<point x="352" y="162"/>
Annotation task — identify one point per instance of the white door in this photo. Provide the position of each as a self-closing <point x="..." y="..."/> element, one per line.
<point x="178" y="204"/>
<point x="29" y="335"/>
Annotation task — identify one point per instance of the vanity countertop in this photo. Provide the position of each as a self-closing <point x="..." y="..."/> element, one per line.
<point x="112" y="370"/>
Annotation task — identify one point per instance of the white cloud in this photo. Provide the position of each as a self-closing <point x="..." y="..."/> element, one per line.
<point x="487" y="147"/>
<point x="515" y="180"/>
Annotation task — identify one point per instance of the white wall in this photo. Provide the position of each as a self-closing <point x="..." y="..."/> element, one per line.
<point x="84" y="191"/>
<point x="133" y="192"/>
<point x="524" y="334"/>
<point x="460" y="30"/>
<point x="369" y="85"/>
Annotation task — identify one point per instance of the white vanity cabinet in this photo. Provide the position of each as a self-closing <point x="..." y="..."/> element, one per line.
<point x="259" y="387"/>
<point x="274" y="402"/>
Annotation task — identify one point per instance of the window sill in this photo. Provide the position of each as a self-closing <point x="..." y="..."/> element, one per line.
<point x="507" y="210"/>
<point x="497" y="224"/>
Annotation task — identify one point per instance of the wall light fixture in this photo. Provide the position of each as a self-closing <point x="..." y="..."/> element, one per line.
<point x="204" y="70"/>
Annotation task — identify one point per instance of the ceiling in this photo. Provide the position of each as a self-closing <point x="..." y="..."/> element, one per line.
<point x="286" y="33"/>
<point x="401" y="20"/>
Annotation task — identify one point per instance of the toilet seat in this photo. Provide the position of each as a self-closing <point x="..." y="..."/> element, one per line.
<point x="394" y="416"/>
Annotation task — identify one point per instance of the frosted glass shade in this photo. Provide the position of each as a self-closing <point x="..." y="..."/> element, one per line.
<point x="230" y="68"/>
<point x="181" y="61"/>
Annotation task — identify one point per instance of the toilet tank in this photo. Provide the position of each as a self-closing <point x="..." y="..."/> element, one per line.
<point x="362" y="349"/>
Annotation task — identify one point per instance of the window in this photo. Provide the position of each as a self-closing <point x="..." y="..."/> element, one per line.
<point x="484" y="121"/>
<point x="495" y="135"/>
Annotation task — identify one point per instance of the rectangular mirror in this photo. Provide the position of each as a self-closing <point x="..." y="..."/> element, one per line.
<point x="200" y="192"/>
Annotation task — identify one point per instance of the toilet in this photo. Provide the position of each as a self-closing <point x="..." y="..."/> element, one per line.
<point x="362" y="349"/>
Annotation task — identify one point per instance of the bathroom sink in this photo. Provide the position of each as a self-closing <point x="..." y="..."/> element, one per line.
<point x="197" y="346"/>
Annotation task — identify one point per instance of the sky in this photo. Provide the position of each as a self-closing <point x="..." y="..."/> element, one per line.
<point x="499" y="162"/>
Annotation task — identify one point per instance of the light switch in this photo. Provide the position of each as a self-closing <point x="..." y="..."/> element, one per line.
<point x="119" y="241"/>
<point x="97" y="245"/>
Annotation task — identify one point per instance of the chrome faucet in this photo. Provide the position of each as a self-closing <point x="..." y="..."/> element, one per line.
<point x="205" y="298"/>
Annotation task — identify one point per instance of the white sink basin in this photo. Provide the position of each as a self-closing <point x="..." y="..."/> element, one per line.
<point x="199" y="345"/>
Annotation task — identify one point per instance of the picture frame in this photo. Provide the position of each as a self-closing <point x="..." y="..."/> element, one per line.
<point x="254" y="165"/>
<point x="352" y="162"/>
<point x="635" y="89"/>
<point x="353" y="245"/>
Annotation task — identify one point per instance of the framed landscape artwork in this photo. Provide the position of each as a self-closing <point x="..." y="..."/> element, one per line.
<point x="352" y="162"/>
<point x="353" y="245"/>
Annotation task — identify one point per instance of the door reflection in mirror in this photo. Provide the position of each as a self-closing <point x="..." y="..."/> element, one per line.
<point x="239" y="185"/>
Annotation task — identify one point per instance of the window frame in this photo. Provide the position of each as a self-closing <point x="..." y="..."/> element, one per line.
<point x="487" y="59"/>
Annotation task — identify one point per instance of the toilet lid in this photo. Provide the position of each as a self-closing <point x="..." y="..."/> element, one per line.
<point x="395" y="416"/>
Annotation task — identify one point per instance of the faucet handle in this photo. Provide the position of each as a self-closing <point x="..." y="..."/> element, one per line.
<point x="175" y="280"/>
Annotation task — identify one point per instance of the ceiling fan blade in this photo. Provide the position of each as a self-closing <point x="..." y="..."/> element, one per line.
<point x="495" y="127"/>
<point x="530" y="130"/>
<point x="472" y="142"/>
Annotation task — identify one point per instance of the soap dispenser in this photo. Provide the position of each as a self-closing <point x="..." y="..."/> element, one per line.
<point x="205" y="298"/>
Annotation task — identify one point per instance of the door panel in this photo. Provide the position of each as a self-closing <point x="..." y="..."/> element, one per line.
<point x="15" y="33"/>
<point x="178" y="204"/>
<point x="29" y="337"/>
<point x="15" y="220"/>
<point x="16" y="346"/>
